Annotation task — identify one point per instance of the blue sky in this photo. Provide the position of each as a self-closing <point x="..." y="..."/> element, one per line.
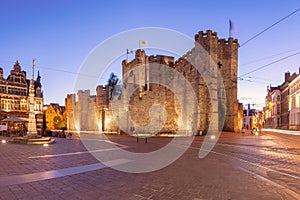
<point x="61" y="34"/>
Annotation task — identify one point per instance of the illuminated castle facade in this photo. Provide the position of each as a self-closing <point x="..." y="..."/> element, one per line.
<point x="92" y="112"/>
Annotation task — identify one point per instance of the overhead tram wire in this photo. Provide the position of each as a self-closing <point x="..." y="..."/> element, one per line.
<point x="258" y="80"/>
<point x="271" y="63"/>
<point x="267" y="57"/>
<point x="254" y="81"/>
<point x="53" y="69"/>
<point x="282" y="19"/>
<point x="258" y="34"/>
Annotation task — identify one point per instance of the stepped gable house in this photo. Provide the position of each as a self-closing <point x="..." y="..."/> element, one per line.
<point x="14" y="91"/>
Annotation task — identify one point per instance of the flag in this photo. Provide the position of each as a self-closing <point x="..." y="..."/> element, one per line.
<point x="129" y="51"/>
<point x="143" y="43"/>
<point x="231" y="28"/>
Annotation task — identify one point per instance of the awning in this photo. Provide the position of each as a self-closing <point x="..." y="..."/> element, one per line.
<point x="13" y="119"/>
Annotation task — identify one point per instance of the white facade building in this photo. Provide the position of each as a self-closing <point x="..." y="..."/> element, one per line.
<point x="272" y="110"/>
<point x="294" y="104"/>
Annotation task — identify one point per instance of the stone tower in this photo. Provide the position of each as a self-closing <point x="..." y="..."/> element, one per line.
<point x="70" y="103"/>
<point x="149" y="94"/>
<point x="138" y="75"/>
<point x="102" y="105"/>
<point x="225" y="55"/>
<point x="223" y="52"/>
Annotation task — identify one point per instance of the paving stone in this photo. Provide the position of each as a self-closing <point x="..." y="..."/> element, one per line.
<point x="217" y="176"/>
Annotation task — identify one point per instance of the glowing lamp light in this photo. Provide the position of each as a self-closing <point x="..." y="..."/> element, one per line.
<point x="100" y="126"/>
<point x="45" y="145"/>
<point x="256" y="133"/>
<point x="3" y="141"/>
<point x="212" y="137"/>
<point x="77" y="126"/>
<point x="107" y="121"/>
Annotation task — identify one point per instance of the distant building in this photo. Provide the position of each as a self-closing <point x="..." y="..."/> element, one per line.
<point x="294" y="103"/>
<point x="55" y="116"/>
<point x="14" y="95"/>
<point x="285" y="99"/>
<point x="279" y="103"/>
<point x="250" y="118"/>
<point x="273" y="111"/>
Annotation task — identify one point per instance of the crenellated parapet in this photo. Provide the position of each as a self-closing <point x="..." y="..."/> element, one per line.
<point x="103" y="95"/>
<point x="201" y="36"/>
<point x="139" y="59"/>
<point x="219" y="56"/>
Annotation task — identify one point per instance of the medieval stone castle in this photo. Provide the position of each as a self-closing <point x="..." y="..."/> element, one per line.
<point x="147" y="80"/>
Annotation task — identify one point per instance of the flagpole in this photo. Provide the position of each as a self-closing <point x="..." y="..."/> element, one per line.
<point x="33" y="65"/>
<point x="229" y="28"/>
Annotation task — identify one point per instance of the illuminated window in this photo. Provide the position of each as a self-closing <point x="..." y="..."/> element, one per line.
<point x="3" y="104"/>
<point x="297" y="101"/>
<point x="38" y="106"/>
<point x="17" y="105"/>
<point x="23" y="104"/>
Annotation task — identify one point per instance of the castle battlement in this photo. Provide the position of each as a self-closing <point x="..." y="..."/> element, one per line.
<point x="232" y="41"/>
<point x="187" y="54"/>
<point x="201" y="36"/>
<point x="83" y="92"/>
<point x="101" y="88"/>
<point x="178" y="61"/>
<point x="224" y="53"/>
<point x="207" y="34"/>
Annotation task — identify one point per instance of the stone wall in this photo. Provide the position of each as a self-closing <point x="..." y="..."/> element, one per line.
<point x="224" y="55"/>
<point x="153" y="85"/>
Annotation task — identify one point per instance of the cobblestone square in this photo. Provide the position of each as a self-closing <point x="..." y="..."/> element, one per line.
<point x="241" y="166"/>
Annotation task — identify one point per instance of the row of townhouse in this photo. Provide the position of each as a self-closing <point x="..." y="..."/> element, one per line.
<point x="282" y="104"/>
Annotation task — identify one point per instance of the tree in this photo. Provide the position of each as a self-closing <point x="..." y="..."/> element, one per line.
<point x="112" y="82"/>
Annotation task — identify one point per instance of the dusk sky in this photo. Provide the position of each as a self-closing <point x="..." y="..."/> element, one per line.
<point x="61" y="34"/>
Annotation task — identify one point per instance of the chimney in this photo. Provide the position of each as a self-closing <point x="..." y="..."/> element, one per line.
<point x="287" y="76"/>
